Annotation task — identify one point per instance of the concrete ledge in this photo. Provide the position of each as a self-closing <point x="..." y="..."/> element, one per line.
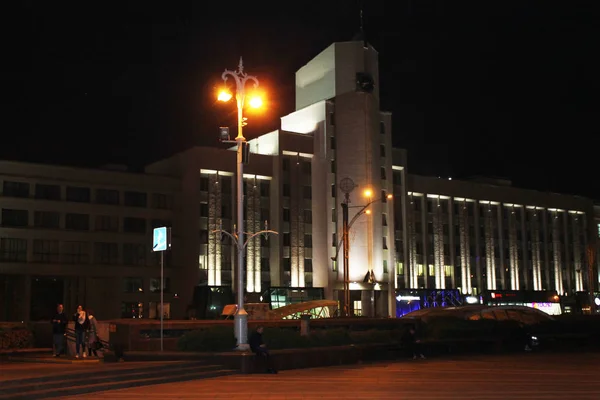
<point x="247" y="362"/>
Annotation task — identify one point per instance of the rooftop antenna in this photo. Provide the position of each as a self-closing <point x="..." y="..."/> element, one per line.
<point x="362" y="26"/>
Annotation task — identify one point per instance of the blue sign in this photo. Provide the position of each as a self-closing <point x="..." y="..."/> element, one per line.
<point x="159" y="241"/>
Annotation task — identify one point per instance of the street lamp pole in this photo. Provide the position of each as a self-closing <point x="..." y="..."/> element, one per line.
<point x="345" y="236"/>
<point x="241" y="317"/>
<point x="346" y="243"/>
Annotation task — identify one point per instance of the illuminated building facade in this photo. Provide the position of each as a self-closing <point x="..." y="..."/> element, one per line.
<point x="470" y="235"/>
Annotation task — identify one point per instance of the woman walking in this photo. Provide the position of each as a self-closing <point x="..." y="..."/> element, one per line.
<point x="92" y="335"/>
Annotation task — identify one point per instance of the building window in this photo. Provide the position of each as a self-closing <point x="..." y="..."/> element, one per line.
<point x="286" y="215"/>
<point x="77" y="222"/>
<point x="287" y="265"/>
<point x="161" y="201"/>
<point x="332" y="118"/>
<point x="134" y="225"/>
<point x="47" y="192"/>
<point x="382" y="150"/>
<point x="384" y="219"/>
<point x="107" y="223"/>
<point x="286" y="239"/>
<point x="204" y="183"/>
<point x="384" y="243"/>
<point x="15" y="218"/>
<point x="333" y="215"/>
<point x="334" y="240"/>
<point x="132" y="309"/>
<point x="357" y="308"/>
<point x="308" y="265"/>
<point x="286" y="190"/>
<point x="333" y="191"/>
<point x="134" y="254"/>
<point x="383" y="174"/>
<point x="106" y="253"/>
<point x="204" y="210"/>
<point x="383" y="196"/>
<point x="306" y="167"/>
<point x="46" y="219"/>
<point x="46" y="251"/>
<point x="203" y="236"/>
<point x="333" y="166"/>
<point x="155" y="285"/>
<point x="264" y="240"/>
<point x="159" y="223"/>
<point x="107" y="196"/>
<point x="133" y="285"/>
<point x="307" y="192"/>
<point x="15" y="189"/>
<point x="265" y="264"/>
<point x="135" y="199"/>
<point x="78" y="194"/>
<point x="226" y="183"/>
<point x="385" y="267"/>
<point x="382" y="127"/>
<point x="75" y="253"/>
<point x="265" y="189"/>
<point x="308" y="241"/>
<point x="13" y="250"/>
<point x="264" y="215"/>
<point x="332" y="142"/>
<point x="308" y="216"/>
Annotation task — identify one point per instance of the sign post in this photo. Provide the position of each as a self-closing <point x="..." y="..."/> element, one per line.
<point x="161" y="241"/>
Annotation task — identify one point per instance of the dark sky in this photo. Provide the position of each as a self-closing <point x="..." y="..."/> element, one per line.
<point x="502" y="88"/>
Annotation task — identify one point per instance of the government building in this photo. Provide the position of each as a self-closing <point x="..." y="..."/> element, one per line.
<point x="84" y="236"/>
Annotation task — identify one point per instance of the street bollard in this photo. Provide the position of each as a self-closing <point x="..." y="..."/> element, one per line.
<point x="305" y="324"/>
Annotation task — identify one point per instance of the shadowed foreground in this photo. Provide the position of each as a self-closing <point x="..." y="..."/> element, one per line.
<point x="523" y="376"/>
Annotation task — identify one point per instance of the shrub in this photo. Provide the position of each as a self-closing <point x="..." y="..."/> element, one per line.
<point x="15" y="338"/>
<point x="216" y="338"/>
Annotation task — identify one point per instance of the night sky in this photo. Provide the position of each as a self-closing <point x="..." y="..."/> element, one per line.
<point x="498" y="88"/>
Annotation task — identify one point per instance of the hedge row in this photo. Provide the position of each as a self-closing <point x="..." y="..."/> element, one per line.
<point x="15" y="338"/>
<point x="220" y="338"/>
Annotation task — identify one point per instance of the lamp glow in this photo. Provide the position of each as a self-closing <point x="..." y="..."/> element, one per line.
<point x="256" y="102"/>
<point x="224" y="96"/>
<point x="368" y="193"/>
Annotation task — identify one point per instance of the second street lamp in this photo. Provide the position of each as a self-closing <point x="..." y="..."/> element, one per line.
<point x="347" y="186"/>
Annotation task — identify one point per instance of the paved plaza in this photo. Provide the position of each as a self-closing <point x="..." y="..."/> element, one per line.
<point x="524" y="376"/>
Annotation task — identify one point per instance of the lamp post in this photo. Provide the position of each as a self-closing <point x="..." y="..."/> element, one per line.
<point x="347" y="186"/>
<point x="241" y="319"/>
<point x="240" y="78"/>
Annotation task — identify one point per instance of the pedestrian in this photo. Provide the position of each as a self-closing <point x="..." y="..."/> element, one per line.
<point x="259" y="348"/>
<point x="412" y="342"/>
<point x="59" y="327"/>
<point x="92" y="336"/>
<point x="82" y="324"/>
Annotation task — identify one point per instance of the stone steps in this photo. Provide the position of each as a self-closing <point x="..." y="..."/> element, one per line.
<point x="110" y="378"/>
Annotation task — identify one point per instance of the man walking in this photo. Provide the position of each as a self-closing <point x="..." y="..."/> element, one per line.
<point x="59" y="326"/>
